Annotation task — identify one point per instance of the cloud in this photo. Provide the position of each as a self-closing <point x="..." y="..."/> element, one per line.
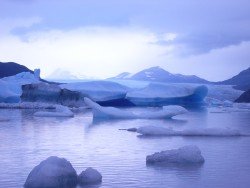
<point x="94" y="51"/>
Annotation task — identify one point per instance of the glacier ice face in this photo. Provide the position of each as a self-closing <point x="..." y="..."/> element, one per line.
<point x="51" y="93"/>
<point x="101" y="112"/>
<point x="162" y="131"/>
<point x="89" y="176"/>
<point x="184" y="155"/>
<point x="98" y="90"/>
<point x="10" y="87"/>
<point x="54" y="172"/>
<point x="162" y="94"/>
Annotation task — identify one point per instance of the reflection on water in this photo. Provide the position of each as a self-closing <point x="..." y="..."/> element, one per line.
<point x="120" y="155"/>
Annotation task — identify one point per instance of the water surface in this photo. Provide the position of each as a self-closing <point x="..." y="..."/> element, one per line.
<point x="120" y="155"/>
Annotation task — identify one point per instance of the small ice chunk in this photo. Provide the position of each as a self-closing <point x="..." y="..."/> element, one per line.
<point x="60" y="111"/>
<point x="184" y="155"/>
<point x="89" y="176"/>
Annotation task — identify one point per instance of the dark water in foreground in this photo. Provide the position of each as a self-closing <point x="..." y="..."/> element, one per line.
<point x="120" y="155"/>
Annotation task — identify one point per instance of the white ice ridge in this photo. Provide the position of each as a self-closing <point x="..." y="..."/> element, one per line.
<point x="98" y="90"/>
<point x="184" y="155"/>
<point x="60" y="111"/>
<point x="162" y="131"/>
<point x="115" y="113"/>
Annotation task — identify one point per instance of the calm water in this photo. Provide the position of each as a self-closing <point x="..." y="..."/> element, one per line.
<point x="120" y="155"/>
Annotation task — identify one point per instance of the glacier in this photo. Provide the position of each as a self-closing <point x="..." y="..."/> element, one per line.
<point x="156" y="94"/>
<point x="190" y="154"/>
<point x="11" y="87"/>
<point x="162" y="131"/>
<point x="101" y="112"/>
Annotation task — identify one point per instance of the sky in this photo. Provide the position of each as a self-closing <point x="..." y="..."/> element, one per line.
<point x="102" y="38"/>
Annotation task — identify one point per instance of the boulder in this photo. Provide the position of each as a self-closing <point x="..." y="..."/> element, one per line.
<point x="89" y="176"/>
<point x="54" y="172"/>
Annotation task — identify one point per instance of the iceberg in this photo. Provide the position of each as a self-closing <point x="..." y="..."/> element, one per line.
<point x="162" y="131"/>
<point x="51" y="93"/>
<point x="89" y="176"/>
<point x="184" y="155"/>
<point x="103" y="92"/>
<point x="101" y="112"/>
<point x="60" y="111"/>
<point x="10" y="87"/>
<point x="156" y="94"/>
<point x="54" y="172"/>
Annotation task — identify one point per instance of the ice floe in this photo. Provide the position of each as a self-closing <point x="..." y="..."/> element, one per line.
<point x="162" y="131"/>
<point x="115" y="113"/>
<point x="185" y="155"/>
<point x="60" y="111"/>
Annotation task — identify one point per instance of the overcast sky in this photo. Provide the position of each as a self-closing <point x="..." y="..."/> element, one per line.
<point x="101" y="38"/>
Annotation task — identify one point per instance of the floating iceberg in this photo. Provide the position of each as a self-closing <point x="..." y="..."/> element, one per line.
<point x="115" y="113"/>
<point x="162" y="94"/>
<point x="10" y="87"/>
<point x="51" y="93"/>
<point x="54" y="172"/>
<point x="162" y="131"/>
<point x="89" y="176"/>
<point x="184" y="155"/>
<point x="60" y="111"/>
<point x="99" y="91"/>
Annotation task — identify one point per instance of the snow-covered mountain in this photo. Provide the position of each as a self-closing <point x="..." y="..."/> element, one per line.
<point x="158" y="74"/>
<point x="61" y="74"/>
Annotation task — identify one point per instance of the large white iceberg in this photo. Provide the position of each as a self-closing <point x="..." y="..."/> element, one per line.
<point x="162" y="131"/>
<point x="11" y="87"/>
<point x="156" y="94"/>
<point x="101" y="112"/>
<point x="99" y="90"/>
<point x="184" y="155"/>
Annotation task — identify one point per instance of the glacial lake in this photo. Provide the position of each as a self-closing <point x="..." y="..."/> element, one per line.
<point x="120" y="155"/>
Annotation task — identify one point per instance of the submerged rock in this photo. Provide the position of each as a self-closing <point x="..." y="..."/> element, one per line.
<point x="184" y="155"/>
<point x="54" y="172"/>
<point x="89" y="176"/>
